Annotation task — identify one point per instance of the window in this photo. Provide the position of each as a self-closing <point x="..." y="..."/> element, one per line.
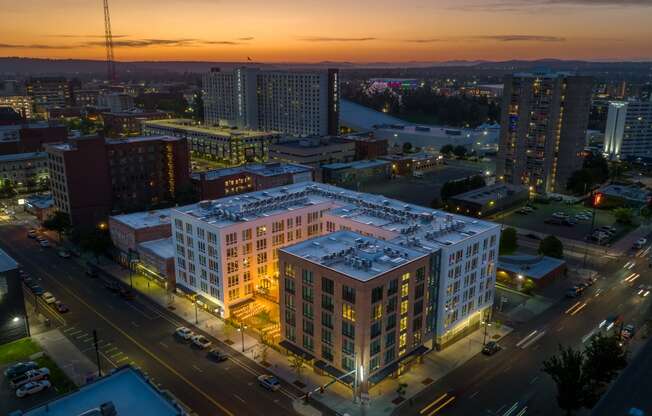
<point x="421" y="274"/>
<point x="307" y="293"/>
<point x="376" y="329"/>
<point x="390" y="339"/>
<point x="233" y="280"/>
<point x="377" y="311"/>
<point x="308" y="327"/>
<point x="289" y="270"/>
<point x="389" y="356"/>
<point x="403" y="324"/>
<point x="261" y="244"/>
<point x="391" y="305"/>
<point x="392" y="288"/>
<point x="289" y="285"/>
<point x="348" y="312"/>
<point x="307" y="277"/>
<point x="231" y="238"/>
<point x="261" y="258"/>
<point x="348" y="329"/>
<point x="308" y="311"/>
<point x="327" y="285"/>
<point x="246" y="249"/>
<point x="327" y="336"/>
<point x="405" y="277"/>
<point x="327" y="319"/>
<point x="391" y="322"/>
<point x="405" y="290"/>
<point x="290" y="333"/>
<point x="377" y="294"/>
<point x="234" y="293"/>
<point x="261" y="231"/>
<point x="418" y="307"/>
<point x="327" y="302"/>
<point x="348" y="346"/>
<point x="246" y="234"/>
<point x="326" y="353"/>
<point x="348" y="294"/>
<point x="374" y="347"/>
<point x="418" y="292"/>
<point x="307" y="342"/>
<point x="232" y="267"/>
<point x="404" y="307"/>
<point x="231" y="252"/>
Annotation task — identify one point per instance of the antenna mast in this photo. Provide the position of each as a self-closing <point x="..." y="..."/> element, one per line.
<point x="108" y="37"/>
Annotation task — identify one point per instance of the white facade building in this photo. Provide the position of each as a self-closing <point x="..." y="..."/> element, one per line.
<point x="629" y="129"/>
<point x="226" y="249"/>
<point x="295" y="103"/>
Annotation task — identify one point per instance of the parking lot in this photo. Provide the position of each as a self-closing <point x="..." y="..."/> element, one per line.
<point x="536" y="220"/>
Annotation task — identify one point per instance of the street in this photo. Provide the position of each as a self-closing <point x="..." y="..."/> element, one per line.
<point x="140" y="333"/>
<point x="511" y="383"/>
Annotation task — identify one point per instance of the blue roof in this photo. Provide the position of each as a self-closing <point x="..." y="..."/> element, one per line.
<point x="534" y="267"/>
<point x="7" y="262"/>
<point x="360" y="164"/>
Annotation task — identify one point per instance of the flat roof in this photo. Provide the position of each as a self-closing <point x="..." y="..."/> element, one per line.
<point x="129" y="391"/>
<point x="360" y="164"/>
<point x="144" y="219"/>
<point x="163" y="248"/>
<point x="7" y="262"/>
<point x="353" y="254"/>
<point x="266" y="169"/>
<point x="414" y="225"/>
<point x="190" y="126"/>
<point x="40" y="201"/>
<point x="633" y="193"/>
<point x="535" y="267"/>
<point x="489" y="193"/>
<point x="16" y="157"/>
<point x="411" y="156"/>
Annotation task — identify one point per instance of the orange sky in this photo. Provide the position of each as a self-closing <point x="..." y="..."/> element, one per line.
<point x="342" y="30"/>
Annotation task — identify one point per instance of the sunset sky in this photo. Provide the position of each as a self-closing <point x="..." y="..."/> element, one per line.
<point x="341" y="30"/>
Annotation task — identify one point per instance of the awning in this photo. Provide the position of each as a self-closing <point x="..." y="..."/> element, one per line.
<point x="296" y="350"/>
<point x="334" y="372"/>
<point x="382" y="374"/>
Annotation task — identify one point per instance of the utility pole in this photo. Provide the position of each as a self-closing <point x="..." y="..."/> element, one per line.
<point x="97" y="354"/>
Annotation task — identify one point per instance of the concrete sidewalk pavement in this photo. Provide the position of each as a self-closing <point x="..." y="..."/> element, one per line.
<point x="79" y="368"/>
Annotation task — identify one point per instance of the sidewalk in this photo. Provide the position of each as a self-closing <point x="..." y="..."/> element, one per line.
<point x="383" y="396"/>
<point x="68" y="357"/>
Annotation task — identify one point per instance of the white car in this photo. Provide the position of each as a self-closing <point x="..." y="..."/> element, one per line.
<point x="44" y="243"/>
<point x="32" y="387"/>
<point x="640" y="242"/>
<point x="48" y="298"/>
<point x="184" y="333"/>
<point x="30" y="375"/>
<point x="201" y="341"/>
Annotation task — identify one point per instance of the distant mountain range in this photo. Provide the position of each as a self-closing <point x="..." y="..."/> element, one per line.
<point x="37" y="66"/>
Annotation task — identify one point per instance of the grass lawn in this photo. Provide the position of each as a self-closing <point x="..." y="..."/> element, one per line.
<point x="18" y="350"/>
<point x="58" y="378"/>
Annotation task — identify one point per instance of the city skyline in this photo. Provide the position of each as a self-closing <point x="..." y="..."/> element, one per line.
<point x="338" y="31"/>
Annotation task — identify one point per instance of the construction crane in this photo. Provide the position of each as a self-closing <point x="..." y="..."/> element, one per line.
<point x="108" y="37"/>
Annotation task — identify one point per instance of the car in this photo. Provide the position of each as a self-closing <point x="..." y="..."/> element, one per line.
<point x="29" y="375"/>
<point x="31" y="233"/>
<point x="61" y="307"/>
<point x="217" y="356"/>
<point x="19" y="368"/>
<point x="32" y="387"/>
<point x="269" y="382"/>
<point x="533" y="236"/>
<point x="44" y="243"/>
<point x="112" y="286"/>
<point x="590" y="281"/>
<point x="200" y="341"/>
<point x="64" y="254"/>
<point x="48" y="298"/>
<point x="628" y="331"/>
<point x="568" y="222"/>
<point x="573" y="292"/>
<point x="640" y="243"/>
<point x="611" y="322"/>
<point x="37" y="290"/>
<point x="40" y="238"/>
<point x="560" y="215"/>
<point x="491" y="348"/>
<point x="184" y="333"/>
<point x="582" y="286"/>
<point x="644" y="291"/>
<point x="522" y="211"/>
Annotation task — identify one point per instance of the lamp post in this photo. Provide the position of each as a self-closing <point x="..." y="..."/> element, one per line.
<point x="595" y="201"/>
<point x="194" y="300"/>
<point x="519" y="281"/>
<point x="484" y="339"/>
<point x="241" y="330"/>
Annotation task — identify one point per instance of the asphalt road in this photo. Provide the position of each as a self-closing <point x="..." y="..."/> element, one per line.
<point x="139" y="332"/>
<point x="511" y="383"/>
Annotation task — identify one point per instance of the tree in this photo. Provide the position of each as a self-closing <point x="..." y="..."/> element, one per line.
<point x="59" y="222"/>
<point x="296" y="363"/>
<point x="580" y="182"/>
<point x="447" y="149"/>
<point x="7" y="188"/>
<point x="452" y="188"/>
<point x="198" y="107"/>
<point x="623" y="215"/>
<point x="186" y="194"/>
<point x="604" y="357"/>
<point x="508" y="241"/>
<point x="407" y="147"/>
<point x="552" y="247"/>
<point x="97" y="242"/>
<point x="566" y="371"/>
<point x="460" y="151"/>
<point x="436" y="203"/>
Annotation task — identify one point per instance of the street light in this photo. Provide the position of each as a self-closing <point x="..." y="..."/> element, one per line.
<point x="16" y="319"/>
<point x="484" y="339"/>
<point x="194" y="300"/>
<point x="241" y="330"/>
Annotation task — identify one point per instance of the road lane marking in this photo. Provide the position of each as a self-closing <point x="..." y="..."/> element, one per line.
<point x="579" y="309"/>
<point x="441" y="406"/>
<point x="125" y="358"/>
<point x="107" y="359"/>
<point x="526" y="338"/>
<point x="561" y="327"/>
<point x="437" y="400"/>
<point x="534" y="380"/>
<point x="110" y="350"/>
<point x="522" y="412"/>
<point x="72" y="328"/>
<point x="532" y="340"/>
<point x="135" y="324"/>
<point x="239" y="398"/>
<point x="75" y="333"/>
<point x="511" y="409"/>
<point x="197" y="368"/>
<point x="163" y="344"/>
<point x="474" y="394"/>
<point x="130" y="338"/>
<point x="572" y="307"/>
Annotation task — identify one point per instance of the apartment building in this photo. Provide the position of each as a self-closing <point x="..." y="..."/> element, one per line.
<point x="22" y="104"/>
<point x="543" y="129"/>
<point x="297" y="103"/>
<point x="628" y="133"/>
<point x="27" y="171"/>
<point x="47" y="92"/>
<point x="129" y="122"/>
<point x="92" y="177"/>
<point x="116" y="102"/>
<point x="232" y="147"/>
<point x="312" y="151"/>
<point x="231" y="249"/>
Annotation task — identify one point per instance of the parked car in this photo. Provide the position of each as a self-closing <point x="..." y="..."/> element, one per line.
<point x="269" y="382"/>
<point x="19" y="368"/>
<point x="44" y="243"/>
<point x="533" y="236"/>
<point x="628" y="331"/>
<point x="216" y="355"/>
<point x="61" y="307"/>
<point x="112" y="286"/>
<point x="31" y="233"/>
<point x="184" y="333"/>
<point x="640" y="243"/>
<point x="63" y="254"/>
<point x="48" y="298"/>
<point x="126" y="293"/>
<point x="37" y="290"/>
<point x="491" y="348"/>
<point x="573" y="292"/>
<point x="200" y="341"/>
<point x="644" y="291"/>
<point x="31" y="375"/>
<point x="611" y="322"/>
<point x="32" y="387"/>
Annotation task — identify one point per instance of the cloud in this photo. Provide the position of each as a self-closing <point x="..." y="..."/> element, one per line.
<point x="522" y="38"/>
<point x="542" y="5"/>
<point x="221" y="42"/>
<point x="334" y="39"/>
<point x="432" y="40"/>
<point x="247" y="38"/>
<point x="144" y="43"/>
<point x="34" y="46"/>
<point x="86" y="36"/>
